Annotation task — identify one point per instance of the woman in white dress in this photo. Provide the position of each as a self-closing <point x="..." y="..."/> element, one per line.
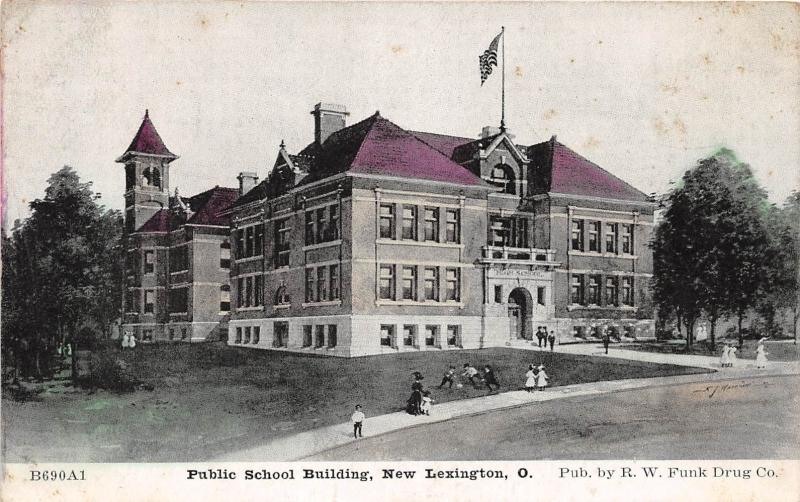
<point x="761" y="355"/>
<point x="126" y="340"/>
<point x="724" y="359"/>
<point x="731" y="356"/>
<point x="530" y="378"/>
<point x="541" y="379"/>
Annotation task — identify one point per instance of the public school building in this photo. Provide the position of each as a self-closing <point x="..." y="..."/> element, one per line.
<point x="374" y="239"/>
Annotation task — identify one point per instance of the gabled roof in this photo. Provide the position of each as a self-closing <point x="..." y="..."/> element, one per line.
<point x="442" y="142"/>
<point x="148" y="141"/>
<point x="380" y="147"/>
<point x="569" y="173"/>
<point x="205" y="208"/>
<point x="163" y="221"/>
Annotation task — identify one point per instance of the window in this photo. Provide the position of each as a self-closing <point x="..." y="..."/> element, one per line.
<point x="594" y="290"/>
<point x="577" y="235"/>
<point x="627" y="239"/>
<point x="240" y="292"/>
<point x="149" y="301"/>
<point x="178" y="259"/>
<point x="498" y="294"/>
<point x="577" y="289"/>
<point x="503" y="176"/>
<point x="246" y="335"/>
<point x="387" y="335"/>
<point x="540" y="295"/>
<point x="248" y="241"/>
<point x="453" y="338"/>
<point x="256" y="334"/>
<point x="386" y="285"/>
<point x="611" y="290"/>
<point x="248" y="295"/>
<point x="432" y="224"/>
<point x="331" y="336"/>
<point x="322" y="284"/>
<point x="431" y="280"/>
<point x="224" y="298"/>
<point x="171" y="333"/>
<point x="409" y="230"/>
<point x="225" y="255"/>
<point x="333" y="224"/>
<point x="258" y="290"/>
<point x="319" y="336"/>
<point x="334" y="277"/>
<point x="409" y="283"/>
<point x="280" y="334"/>
<point x="611" y="238"/>
<point x="239" y="235"/>
<point x="147" y="335"/>
<point x="499" y="231"/>
<point x="431" y="334"/>
<point x="238" y="335"/>
<point x="453" y="276"/>
<point x="409" y="335"/>
<point x="310" y="233"/>
<point x="130" y="301"/>
<point x="282" y="296"/>
<point x="258" y="240"/>
<point x="594" y="236"/>
<point x="452" y="226"/>
<point x="130" y="262"/>
<point x="322" y="223"/>
<point x="282" y="231"/>
<point x="178" y="300"/>
<point x="307" y="335"/>
<point x="310" y="285"/>
<point x="520" y="238"/>
<point x="387" y="221"/>
<point x="627" y="291"/>
<point x="149" y="262"/>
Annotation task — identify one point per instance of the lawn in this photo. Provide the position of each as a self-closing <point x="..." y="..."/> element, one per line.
<point x="777" y="350"/>
<point x="210" y="399"/>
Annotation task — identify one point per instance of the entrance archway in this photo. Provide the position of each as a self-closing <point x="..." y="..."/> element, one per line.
<point x="520" y="310"/>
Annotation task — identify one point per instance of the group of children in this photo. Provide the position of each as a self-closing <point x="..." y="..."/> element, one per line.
<point x="535" y="378"/>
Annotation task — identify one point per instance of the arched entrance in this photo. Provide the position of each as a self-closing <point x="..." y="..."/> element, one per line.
<point x="520" y="310"/>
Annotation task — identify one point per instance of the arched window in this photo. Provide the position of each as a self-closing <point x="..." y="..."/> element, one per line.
<point x="503" y="176"/>
<point x="282" y="296"/>
<point x="156" y="179"/>
<point x="151" y="177"/>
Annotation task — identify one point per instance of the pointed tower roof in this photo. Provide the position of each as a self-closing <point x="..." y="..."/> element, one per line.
<point x="148" y="142"/>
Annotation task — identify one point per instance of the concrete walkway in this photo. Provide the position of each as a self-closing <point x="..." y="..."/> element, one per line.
<point x="592" y="349"/>
<point x="305" y="444"/>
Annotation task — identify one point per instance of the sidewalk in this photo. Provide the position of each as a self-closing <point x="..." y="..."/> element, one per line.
<point x="305" y="444"/>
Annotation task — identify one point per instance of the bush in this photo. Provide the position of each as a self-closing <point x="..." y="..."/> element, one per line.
<point x="108" y="372"/>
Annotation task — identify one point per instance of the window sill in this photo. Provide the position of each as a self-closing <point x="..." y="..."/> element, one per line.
<point x="321" y="245"/>
<point x="419" y="304"/>
<point x="597" y="254"/>
<point x="224" y="313"/>
<point x="249" y="309"/>
<point x="322" y="304"/>
<point x="574" y="306"/>
<point x="178" y="313"/>
<point x="412" y="242"/>
<point x="281" y="306"/>
<point x="179" y="272"/>
<point x="249" y="259"/>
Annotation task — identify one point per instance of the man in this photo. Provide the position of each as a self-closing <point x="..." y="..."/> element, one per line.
<point x="541" y="336"/>
<point x="470" y="373"/>
<point x="448" y="377"/>
<point x="358" y="421"/>
<point x="552" y="339"/>
<point x="606" y="340"/>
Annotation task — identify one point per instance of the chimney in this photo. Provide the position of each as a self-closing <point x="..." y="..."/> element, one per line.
<point x="328" y="118"/>
<point x="489" y="131"/>
<point x="247" y="181"/>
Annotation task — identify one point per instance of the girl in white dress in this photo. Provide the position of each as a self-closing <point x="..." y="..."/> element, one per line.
<point x="541" y="379"/>
<point x="731" y="357"/>
<point x="126" y="340"/>
<point x="761" y="355"/>
<point x="132" y="341"/>
<point x="724" y="359"/>
<point x="530" y="378"/>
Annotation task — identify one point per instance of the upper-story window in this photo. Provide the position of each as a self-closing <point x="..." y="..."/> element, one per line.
<point x="149" y="261"/>
<point x="249" y="241"/>
<point x="594" y="290"/>
<point x="503" y="176"/>
<point x="282" y="242"/>
<point x="387" y="221"/>
<point x="576" y="289"/>
<point x="627" y="291"/>
<point x="282" y="296"/>
<point x="151" y="177"/>
<point x="322" y="224"/>
<point x="594" y="236"/>
<point x="611" y="238"/>
<point x="627" y="239"/>
<point x="511" y="232"/>
<point x="453" y="284"/>
<point x="409" y="230"/>
<point x="386" y="282"/>
<point x="611" y="290"/>
<point x="224" y="298"/>
<point x="431" y="224"/>
<point x="225" y="255"/>
<point x="576" y="235"/>
<point x="179" y="259"/>
<point x="452" y="226"/>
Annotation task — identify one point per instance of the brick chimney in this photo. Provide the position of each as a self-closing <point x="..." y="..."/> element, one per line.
<point x="247" y="181"/>
<point x="328" y="118"/>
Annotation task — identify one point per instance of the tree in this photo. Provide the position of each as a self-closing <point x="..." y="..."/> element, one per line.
<point x="61" y="268"/>
<point x="709" y="250"/>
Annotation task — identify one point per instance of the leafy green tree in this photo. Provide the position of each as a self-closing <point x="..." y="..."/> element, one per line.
<point x="61" y="268"/>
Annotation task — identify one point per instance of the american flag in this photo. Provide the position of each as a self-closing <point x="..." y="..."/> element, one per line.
<point x="489" y="58"/>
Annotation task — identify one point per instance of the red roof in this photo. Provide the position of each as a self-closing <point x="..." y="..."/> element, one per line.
<point x="570" y="173"/>
<point x="205" y="207"/>
<point x="162" y="221"/>
<point x="378" y="146"/>
<point x="442" y="142"/>
<point x="148" y="141"/>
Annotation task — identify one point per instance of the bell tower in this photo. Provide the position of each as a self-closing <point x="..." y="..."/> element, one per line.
<point x="146" y="163"/>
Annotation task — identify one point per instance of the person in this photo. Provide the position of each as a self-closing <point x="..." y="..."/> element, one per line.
<point x="414" y="402"/>
<point x="427" y="402"/>
<point x="724" y="358"/>
<point x="731" y="357"/>
<point x="448" y="377"/>
<point x="541" y="336"/>
<point x="126" y="337"/>
<point x="489" y="378"/>
<point x="132" y="341"/>
<point x="530" y="378"/>
<point x="358" y="421"/>
<point x="552" y="340"/>
<point x="761" y="355"/>
<point x="606" y="341"/>
<point x="541" y="378"/>
<point x="470" y="373"/>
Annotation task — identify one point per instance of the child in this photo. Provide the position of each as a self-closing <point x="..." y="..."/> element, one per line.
<point x="449" y="376"/>
<point x="358" y="420"/>
<point x="427" y="402"/>
<point x="489" y="378"/>
<point x="541" y="378"/>
<point x="530" y="378"/>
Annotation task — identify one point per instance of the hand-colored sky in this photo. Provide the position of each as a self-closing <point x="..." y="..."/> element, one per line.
<point x="644" y="90"/>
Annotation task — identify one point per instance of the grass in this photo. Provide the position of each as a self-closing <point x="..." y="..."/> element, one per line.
<point x="211" y="399"/>
<point x="776" y="351"/>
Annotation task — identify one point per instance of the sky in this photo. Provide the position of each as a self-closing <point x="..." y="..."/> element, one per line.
<point x="643" y="90"/>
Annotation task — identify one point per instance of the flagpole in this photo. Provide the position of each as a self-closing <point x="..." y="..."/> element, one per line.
<point x="503" y="85"/>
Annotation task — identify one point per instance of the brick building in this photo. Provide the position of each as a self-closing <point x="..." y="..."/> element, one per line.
<point x="376" y="239"/>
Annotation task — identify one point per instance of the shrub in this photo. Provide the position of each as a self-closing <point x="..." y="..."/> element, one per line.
<point x="108" y="372"/>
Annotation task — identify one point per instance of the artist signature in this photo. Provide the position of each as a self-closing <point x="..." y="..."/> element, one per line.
<point x="713" y="390"/>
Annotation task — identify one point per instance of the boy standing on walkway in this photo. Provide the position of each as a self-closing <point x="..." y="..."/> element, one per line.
<point x="358" y="420"/>
<point x="552" y="339"/>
